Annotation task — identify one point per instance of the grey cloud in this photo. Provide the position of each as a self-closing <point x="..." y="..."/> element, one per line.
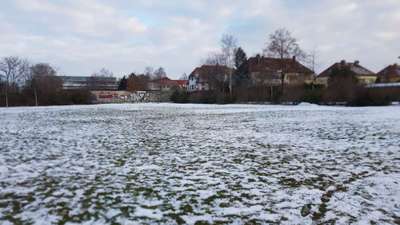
<point x="82" y="36"/>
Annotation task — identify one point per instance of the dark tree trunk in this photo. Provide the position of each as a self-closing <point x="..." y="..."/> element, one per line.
<point x="6" y="93"/>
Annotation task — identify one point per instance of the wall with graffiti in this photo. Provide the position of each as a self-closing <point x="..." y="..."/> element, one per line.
<point x="129" y="97"/>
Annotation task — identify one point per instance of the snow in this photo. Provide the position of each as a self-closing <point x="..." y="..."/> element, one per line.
<point x="306" y="104"/>
<point x="383" y="85"/>
<point x="174" y="164"/>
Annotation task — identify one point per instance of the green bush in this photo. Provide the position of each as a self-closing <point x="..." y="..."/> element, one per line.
<point x="313" y="94"/>
<point x="204" y="97"/>
<point x="180" y="96"/>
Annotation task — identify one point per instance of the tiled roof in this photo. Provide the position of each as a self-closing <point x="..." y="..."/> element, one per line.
<point x="355" y="67"/>
<point x="392" y="71"/>
<point x="181" y="82"/>
<point x="205" y="71"/>
<point x="273" y="65"/>
<point x="165" y="81"/>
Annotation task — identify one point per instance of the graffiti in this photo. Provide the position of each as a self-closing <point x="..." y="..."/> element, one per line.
<point x="144" y="96"/>
<point x="128" y="97"/>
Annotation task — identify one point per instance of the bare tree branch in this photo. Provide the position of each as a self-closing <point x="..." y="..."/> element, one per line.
<point x="282" y="45"/>
<point x="103" y="73"/>
<point x="14" y="70"/>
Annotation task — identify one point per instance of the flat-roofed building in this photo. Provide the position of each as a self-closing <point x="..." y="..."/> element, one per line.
<point x="89" y="83"/>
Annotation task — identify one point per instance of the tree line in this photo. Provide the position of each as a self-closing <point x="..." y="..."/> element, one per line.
<point x="239" y="87"/>
<point x="23" y="84"/>
<point x="343" y="85"/>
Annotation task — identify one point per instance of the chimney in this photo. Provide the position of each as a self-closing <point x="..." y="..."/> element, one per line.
<point x="356" y="62"/>
<point x="343" y="62"/>
<point x="258" y="58"/>
<point x="294" y="58"/>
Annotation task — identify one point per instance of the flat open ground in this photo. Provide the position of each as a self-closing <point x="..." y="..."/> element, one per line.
<point x="199" y="164"/>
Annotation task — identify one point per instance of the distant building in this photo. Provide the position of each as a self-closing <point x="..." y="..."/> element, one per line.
<point x="2" y="78"/>
<point x="391" y="74"/>
<point x="166" y="84"/>
<point x="182" y="84"/>
<point x="90" y="83"/>
<point x="268" y="71"/>
<point x="363" y="75"/>
<point x="202" y="78"/>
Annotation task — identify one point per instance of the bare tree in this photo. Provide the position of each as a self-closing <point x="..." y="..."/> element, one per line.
<point x="149" y="71"/>
<point x="44" y="80"/>
<point x="282" y="45"/>
<point x="103" y="73"/>
<point x="228" y="47"/>
<point x="311" y="60"/>
<point x="137" y="82"/>
<point x="227" y="54"/>
<point x="215" y="58"/>
<point x="183" y="77"/>
<point x="13" y="69"/>
<point x="226" y="57"/>
<point x="159" y="73"/>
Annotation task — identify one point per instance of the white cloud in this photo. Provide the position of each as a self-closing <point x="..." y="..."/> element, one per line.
<point x="83" y="36"/>
<point x="87" y="17"/>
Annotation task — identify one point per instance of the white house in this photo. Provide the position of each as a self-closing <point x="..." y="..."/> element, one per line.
<point x="201" y="79"/>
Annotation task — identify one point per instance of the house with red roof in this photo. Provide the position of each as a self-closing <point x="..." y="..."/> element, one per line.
<point x="166" y="84"/>
<point x="390" y="74"/>
<point x="268" y="71"/>
<point x="362" y="74"/>
<point x="205" y="77"/>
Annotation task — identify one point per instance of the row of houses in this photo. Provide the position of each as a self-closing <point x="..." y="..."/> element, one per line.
<point x="268" y="71"/>
<point x="261" y="70"/>
<point x="389" y="74"/>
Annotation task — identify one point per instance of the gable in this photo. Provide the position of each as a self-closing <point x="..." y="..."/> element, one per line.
<point x="271" y="66"/>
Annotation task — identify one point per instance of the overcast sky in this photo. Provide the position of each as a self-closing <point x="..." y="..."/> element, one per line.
<point x="81" y="37"/>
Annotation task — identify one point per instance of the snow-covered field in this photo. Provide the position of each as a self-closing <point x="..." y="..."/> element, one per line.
<point x="199" y="164"/>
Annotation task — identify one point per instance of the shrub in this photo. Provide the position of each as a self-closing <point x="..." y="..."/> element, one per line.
<point x="205" y="97"/>
<point x="180" y="96"/>
<point x="313" y="94"/>
<point x="369" y="97"/>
